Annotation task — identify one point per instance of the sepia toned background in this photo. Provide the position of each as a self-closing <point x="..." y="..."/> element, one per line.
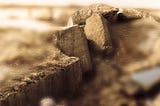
<point x="23" y="25"/>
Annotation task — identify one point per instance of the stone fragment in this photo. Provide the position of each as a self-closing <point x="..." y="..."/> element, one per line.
<point x="80" y="16"/>
<point x="55" y="77"/>
<point x="96" y="30"/>
<point x="125" y="14"/>
<point x="131" y="13"/>
<point x="154" y="13"/>
<point x="33" y="68"/>
<point x="73" y="42"/>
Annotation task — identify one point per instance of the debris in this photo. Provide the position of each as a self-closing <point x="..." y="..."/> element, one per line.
<point x="80" y="16"/>
<point x="52" y="77"/>
<point x="96" y="30"/>
<point x="73" y="42"/>
<point x="130" y="13"/>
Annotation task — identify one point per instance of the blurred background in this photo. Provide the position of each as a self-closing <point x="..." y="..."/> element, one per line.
<point x="21" y="19"/>
<point x="45" y="13"/>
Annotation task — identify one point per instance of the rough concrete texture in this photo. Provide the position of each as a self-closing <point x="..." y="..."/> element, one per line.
<point x="131" y="13"/>
<point x="32" y="68"/>
<point x="80" y="16"/>
<point x="96" y="30"/>
<point x="136" y="40"/>
<point x="128" y="14"/>
<point x="112" y="14"/>
<point x="54" y="77"/>
<point x="73" y="42"/>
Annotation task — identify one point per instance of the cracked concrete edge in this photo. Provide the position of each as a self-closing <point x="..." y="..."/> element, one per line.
<point x="73" y="42"/>
<point x="45" y="80"/>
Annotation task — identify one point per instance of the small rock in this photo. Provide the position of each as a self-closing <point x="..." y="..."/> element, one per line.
<point x="96" y="30"/>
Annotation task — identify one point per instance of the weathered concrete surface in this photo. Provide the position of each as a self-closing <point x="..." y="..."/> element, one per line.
<point x="153" y="12"/>
<point x="112" y="14"/>
<point x="32" y="68"/>
<point x="137" y="44"/>
<point x="80" y="16"/>
<point x="54" y="77"/>
<point x="131" y="13"/>
<point x="73" y="42"/>
<point x="96" y="30"/>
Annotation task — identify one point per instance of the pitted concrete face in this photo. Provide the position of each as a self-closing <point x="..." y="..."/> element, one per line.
<point x="32" y="67"/>
<point x="80" y="16"/>
<point x="96" y="30"/>
<point x="134" y="33"/>
<point x="72" y="42"/>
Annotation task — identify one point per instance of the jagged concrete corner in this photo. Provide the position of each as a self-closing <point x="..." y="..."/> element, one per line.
<point x="96" y="30"/>
<point x="73" y="42"/>
<point x="80" y="16"/>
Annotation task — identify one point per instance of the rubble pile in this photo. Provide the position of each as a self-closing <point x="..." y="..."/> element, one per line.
<point x="118" y="44"/>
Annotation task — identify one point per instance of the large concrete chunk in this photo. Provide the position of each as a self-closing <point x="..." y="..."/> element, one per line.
<point x="80" y="16"/>
<point x="112" y="14"/>
<point x="96" y="30"/>
<point x="55" y="77"/>
<point x="73" y="42"/>
<point x="32" y="68"/>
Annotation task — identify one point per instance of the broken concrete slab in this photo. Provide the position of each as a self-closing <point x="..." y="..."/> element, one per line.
<point x="96" y="30"/>
<point x="50" y="78"/>
<point x="72" y="42"/>
<point x="80" y="16"/>
<point x="112" y="14"/>
<point x="33" y="68"/>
